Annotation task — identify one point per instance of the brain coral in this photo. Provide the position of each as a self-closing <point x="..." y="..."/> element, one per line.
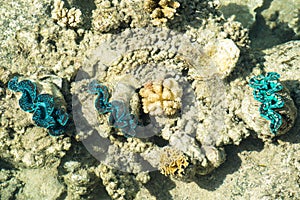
<point x="161" y="97"/>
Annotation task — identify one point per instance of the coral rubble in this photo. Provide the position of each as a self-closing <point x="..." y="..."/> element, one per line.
<point x="65" y="17"/>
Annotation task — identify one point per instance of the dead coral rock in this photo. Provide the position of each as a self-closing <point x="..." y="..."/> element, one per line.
<point x="172" y="162"/>
<point x="244" y="11"/>
<point x="119" y="185"/>
<point x="106" y="17"/>
<point x="215" y="156"/>
<point x="283" y="16"/>
<point x="65" y="17"/>
<point x="161" y="97"/>
<point x="40" y="182"/>
<point x="222" y="53"/>
<point x="79" y="183"/>
<point x="161" y="10"/>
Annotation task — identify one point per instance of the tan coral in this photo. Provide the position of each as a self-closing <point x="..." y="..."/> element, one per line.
<point x="161" y="10"/>
<point x="106" y="17"/>
<point x="172" y="162"/>
<point x="65" y="17"/>
<point x="161" y="97"/>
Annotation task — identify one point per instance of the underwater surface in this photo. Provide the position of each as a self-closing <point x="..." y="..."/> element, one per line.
<point x="152" y="99"/>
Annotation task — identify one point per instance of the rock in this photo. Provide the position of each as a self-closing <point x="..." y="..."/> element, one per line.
<point x="283" y="15"/>
<point x="244" y="11"/>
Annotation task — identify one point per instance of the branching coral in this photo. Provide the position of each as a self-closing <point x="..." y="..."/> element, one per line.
<point x="45" y="112"/>
<point x="120" y="116"/>
<point x="161" y="97"/>
<point x="172" y="162"/>
<point x="265" y="88"/>
<point x="161" y="10"/>
<point x="65" y="17"/>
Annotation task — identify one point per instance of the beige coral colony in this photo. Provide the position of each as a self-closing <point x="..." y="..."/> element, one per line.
<point x="161" y="97"/>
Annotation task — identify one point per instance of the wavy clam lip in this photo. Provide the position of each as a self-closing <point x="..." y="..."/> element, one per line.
<point x="270" y="98"/>
<point x="120" y="117"/>
<point x="28" y="90"/>
<point x="46" y="113"/>
<point x="265" y="88"/>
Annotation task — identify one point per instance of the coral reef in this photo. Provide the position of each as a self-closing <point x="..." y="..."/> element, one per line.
<point x="172" y="162"/>
<point x="212" y="112"/>
<point x="161" y="10"/>
<point x="199" y="130"/>
<point x="45" y="113"/>
<point x="161" y="97"/>
<point x="66" y="17"/>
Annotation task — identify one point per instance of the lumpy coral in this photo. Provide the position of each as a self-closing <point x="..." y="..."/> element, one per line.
<point x="161" y="10"/>
<point x="65" y="17"/>
<point x="45" y="113"/>
<point x="106" y="17"/>
<point x="161" y="97"/>
<point x="172" y="162"/>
